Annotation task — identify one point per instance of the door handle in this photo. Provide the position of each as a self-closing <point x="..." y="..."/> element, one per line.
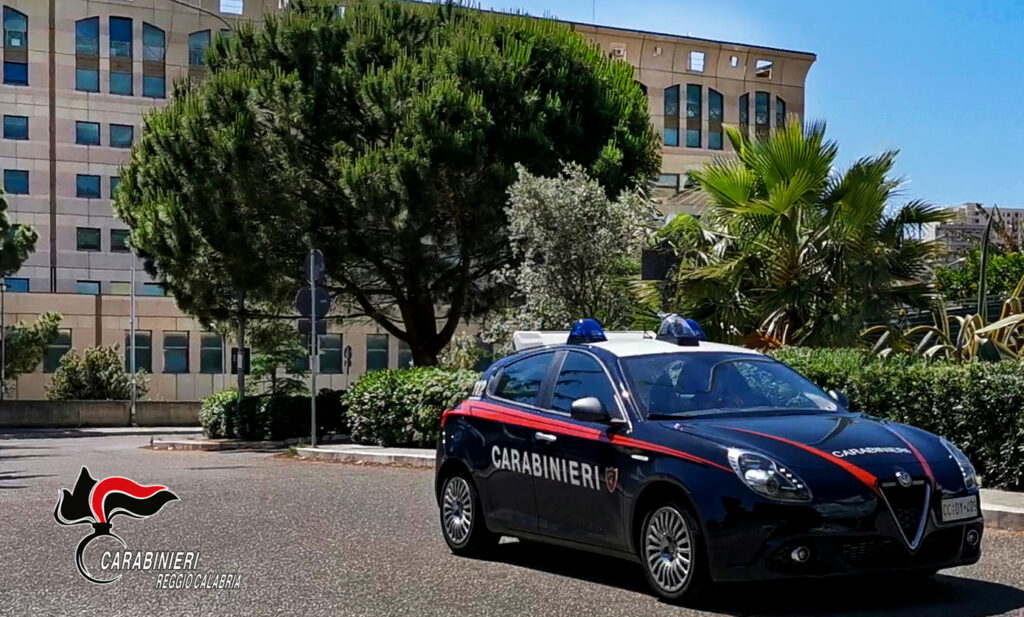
<point x="545" y="437"/>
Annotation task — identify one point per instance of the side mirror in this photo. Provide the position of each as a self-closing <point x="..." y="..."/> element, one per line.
<point x="588" y="409"/>
<point x="839" y="397"/>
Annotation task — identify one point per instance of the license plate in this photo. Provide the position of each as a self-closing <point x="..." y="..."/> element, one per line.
<point x="959" y="508"/>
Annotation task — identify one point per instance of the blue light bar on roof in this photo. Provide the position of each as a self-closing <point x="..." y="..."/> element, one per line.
<point x="586" y="331"/>
<point x="674" y="329"/>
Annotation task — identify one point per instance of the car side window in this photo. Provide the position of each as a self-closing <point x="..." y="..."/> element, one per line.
<point x="521" y="381"/>
<point x="582" y="375"/>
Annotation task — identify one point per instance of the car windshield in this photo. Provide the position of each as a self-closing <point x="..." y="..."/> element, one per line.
<point x="705" y="383"/>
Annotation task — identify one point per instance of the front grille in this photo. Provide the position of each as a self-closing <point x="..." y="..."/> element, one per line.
<point x="909" y="505"/>
<point x="870" y="552"/>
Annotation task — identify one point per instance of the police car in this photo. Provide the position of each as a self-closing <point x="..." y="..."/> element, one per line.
<point x="700" y="461"/>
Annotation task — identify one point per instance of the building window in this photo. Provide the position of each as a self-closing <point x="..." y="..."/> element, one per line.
<point x="330" y="353"/>
<point x="121" y="56"/>
<point x="744" y="104"/>
<point x="780" y="112"/>
<point x="87" y="133"/>
<point x="55" y="350"/>
<point x="143" y="351"/>
<point x="16" y="127"/>
<point x="120" y="288"/>
<point x="87" y="186"/>
<point x="114" y="183"/>
<point x="176" y="352"/>
<point x="693" y="115"/>
<point x="198" y="43"/>
<point x="91" y="288"/>
<point x="697" y="61"/>
<point x="88" y="239"/>
<point x="15" y="47"/>
<point x="761" y="113"/>
<point x="376" y="352"/>
<point x="404" y="355"/>
<point x="87" y="55"/>
<point x="153" y="289"/>
<point x="716" y="113"/>
<point x="672" y="116"/>
<point x="16" y="181"/>
<point x="211" y="353"/>
<point x="232" y="7"/>
<point x="734" y="61"/>
<point x="154" y="51"/>
<point x="668" y="181"/>
<point x="763" y="69"/>
<point x="119" y="240"/>
<point x="16" y="285"/>
<point x="121" y="135"/>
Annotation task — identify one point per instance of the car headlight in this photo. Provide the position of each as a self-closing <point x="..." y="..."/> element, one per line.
<point x="768" y="478"/>
<point x="970" y="479"/>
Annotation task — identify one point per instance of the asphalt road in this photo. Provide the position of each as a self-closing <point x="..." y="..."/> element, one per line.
<point x="325" y="539"/>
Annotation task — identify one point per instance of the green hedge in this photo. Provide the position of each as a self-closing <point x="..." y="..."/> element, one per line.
<point x="403" y="407"/>
<point x="978" y="406"/>
<point x="270" y="417"/>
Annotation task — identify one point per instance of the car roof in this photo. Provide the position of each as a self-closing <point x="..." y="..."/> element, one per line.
<point x="626" y="348"/>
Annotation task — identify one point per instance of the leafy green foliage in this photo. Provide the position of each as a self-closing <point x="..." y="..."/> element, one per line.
<point x="97" y="374"/>
<point x="270" y="417"/>
<point x="404" y="407"/>
<point x="975" y="405"/>
<point x="387" y="138"/>
<point x="27" y="343"/>
<point x="278" y="347"/>
<point x="792" y="252"/>
<point x="217" y="414"/>
<point x="960" y="282"/>
<point x="578" y="250"/>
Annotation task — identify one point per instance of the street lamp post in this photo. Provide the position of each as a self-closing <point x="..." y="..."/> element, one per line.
<point x="3" y="340"/>
<point x="131" y="334"/>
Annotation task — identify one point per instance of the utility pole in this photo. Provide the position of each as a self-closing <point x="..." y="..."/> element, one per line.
<point x="312" y="348"/>
<point x="3" y="341"/>
<point x="131" y="333"/>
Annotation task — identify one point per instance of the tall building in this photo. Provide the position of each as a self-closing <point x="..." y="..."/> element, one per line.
<point x="78" y="76"/>
<point x="968" y="224"/>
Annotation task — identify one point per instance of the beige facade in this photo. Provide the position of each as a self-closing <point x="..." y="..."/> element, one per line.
<point x="79" y="75"/>
<point x="967" y="227"/>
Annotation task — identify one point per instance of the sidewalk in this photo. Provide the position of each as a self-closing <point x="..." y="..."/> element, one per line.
<point x="1002" y="509"/>
<point x="87" y="431"/>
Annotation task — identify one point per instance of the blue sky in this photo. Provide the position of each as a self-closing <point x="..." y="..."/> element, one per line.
<point x="939" y="80"/>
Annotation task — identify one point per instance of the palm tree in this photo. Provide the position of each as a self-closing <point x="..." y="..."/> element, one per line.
<point x="794" y="252"/>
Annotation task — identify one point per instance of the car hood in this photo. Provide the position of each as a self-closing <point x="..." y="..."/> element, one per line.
<point x="812" y="440"/>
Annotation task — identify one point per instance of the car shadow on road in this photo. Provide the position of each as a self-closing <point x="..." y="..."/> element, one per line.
<point x="891" y="596"/>
<point x="6" y="477"/>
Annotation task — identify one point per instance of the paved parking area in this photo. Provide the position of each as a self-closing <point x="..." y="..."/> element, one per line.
<point x="329" y="539"/>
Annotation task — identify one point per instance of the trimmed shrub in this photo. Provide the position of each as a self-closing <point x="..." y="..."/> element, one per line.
<point x="404" y="407"/>
<point x="271" y="416"/>
<point x="217" y="414"/>
<point x="977" y="405"/>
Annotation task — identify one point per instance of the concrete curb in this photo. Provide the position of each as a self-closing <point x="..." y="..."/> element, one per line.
<point x="217" y="445"/>
<point x="61" y="433"/>
<point x="374" y="455"/>
<point x="1003" y="509"/>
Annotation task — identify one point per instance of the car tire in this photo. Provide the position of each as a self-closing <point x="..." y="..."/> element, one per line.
<point x="462" y="521"/>
<point x="672" y="554"/>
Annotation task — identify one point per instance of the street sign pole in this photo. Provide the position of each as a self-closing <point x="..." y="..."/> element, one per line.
<point x="312" y="352"/>
<point x="131" y="331"/>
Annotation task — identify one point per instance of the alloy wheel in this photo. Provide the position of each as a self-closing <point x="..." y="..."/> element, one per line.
<point x="668" y="548"/>
<point x="457" y="510"/>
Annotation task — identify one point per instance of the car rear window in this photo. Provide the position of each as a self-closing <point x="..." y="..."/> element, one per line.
<point x="520" y="381"/>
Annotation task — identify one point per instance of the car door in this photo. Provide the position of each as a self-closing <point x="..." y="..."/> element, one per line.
<point x="578" y="498"/>
<point x="506" y="489"/>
